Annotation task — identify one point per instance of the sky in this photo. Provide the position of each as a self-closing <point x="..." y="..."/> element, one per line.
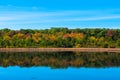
<point x="44" y="14"/>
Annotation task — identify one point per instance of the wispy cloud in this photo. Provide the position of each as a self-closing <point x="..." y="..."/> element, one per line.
<point x="56" y="17"/>
<point x="10" y="7"/>
<point x="6" y="18"/>
<point x="95" y="18"/>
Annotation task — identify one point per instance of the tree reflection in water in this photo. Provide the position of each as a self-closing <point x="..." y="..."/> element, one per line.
<point x="60" y="59"/>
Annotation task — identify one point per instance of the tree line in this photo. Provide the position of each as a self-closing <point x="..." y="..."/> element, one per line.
<point x="60" y="37"/>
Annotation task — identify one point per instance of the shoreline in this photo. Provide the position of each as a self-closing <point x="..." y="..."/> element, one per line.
<point x="59" y="49"/>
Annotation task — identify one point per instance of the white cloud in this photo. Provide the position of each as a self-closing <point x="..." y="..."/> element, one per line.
<point x="5" y="18"/>
<point x="15" y="17"/>
<point x="95" y="18"/>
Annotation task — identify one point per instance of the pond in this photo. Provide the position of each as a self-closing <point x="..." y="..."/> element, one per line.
<point x="60" y="66"/>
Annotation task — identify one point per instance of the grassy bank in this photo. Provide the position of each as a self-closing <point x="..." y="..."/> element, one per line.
<point x="59" y="49"/>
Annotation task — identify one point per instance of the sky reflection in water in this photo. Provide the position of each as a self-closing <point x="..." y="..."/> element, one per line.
<point x="46" y="73"/>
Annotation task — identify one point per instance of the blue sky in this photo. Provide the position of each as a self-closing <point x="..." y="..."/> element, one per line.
<point x="42" y="14"/>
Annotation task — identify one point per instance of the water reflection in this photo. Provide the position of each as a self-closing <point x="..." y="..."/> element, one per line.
<point x="60" y="59"/>
<point x="60" y="66"/>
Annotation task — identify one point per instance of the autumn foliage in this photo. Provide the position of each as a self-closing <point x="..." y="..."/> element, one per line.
<point x="60" y="37"/>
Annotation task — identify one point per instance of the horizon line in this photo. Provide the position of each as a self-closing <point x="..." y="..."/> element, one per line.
<point x="59" y="28"/>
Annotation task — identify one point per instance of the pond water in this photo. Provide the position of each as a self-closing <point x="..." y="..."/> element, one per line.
<point x="46" y="73"/>
<point x="60" y="66"/>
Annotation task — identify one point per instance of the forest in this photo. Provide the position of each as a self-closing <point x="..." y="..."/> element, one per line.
<point x="60" y="38"/>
